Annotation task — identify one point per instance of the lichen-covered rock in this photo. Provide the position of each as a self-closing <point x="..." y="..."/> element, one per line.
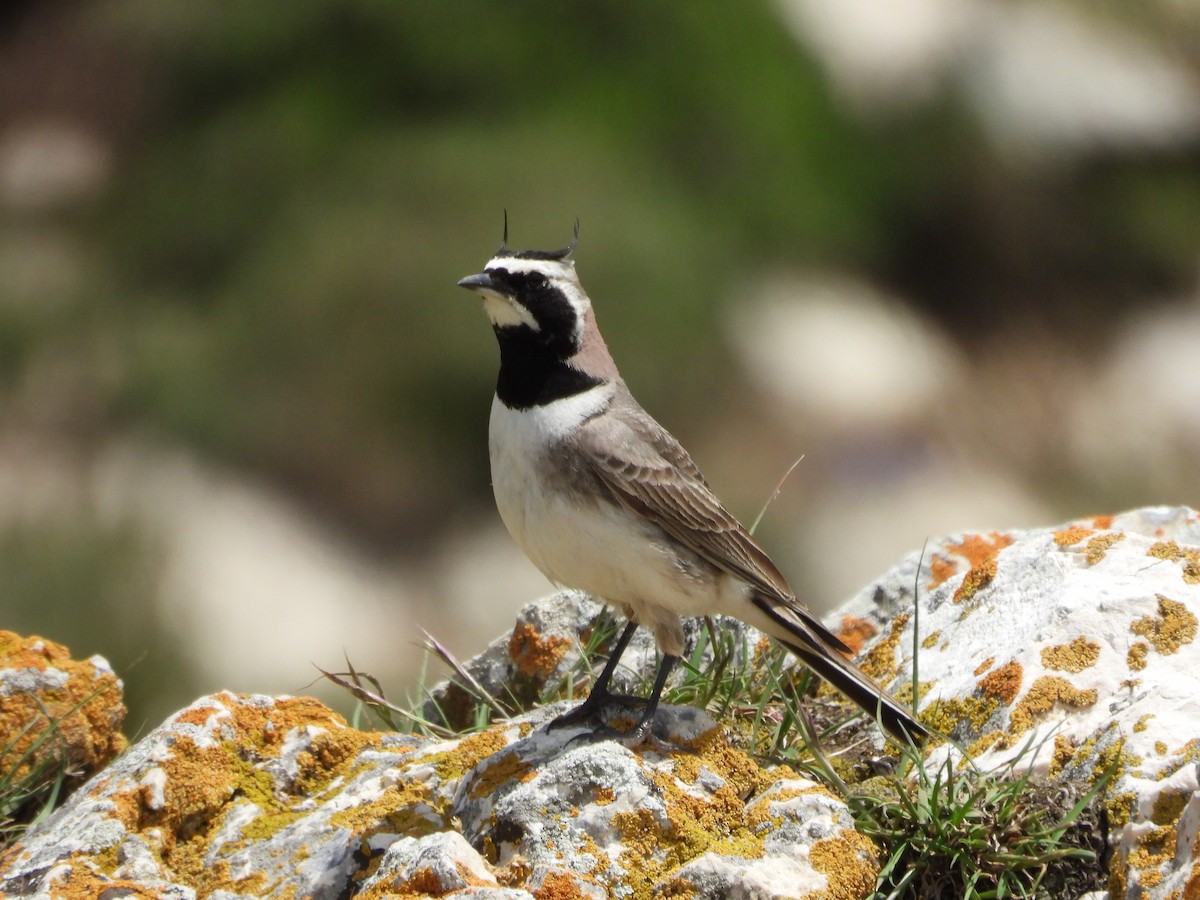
<point x="272" y="797"/>
<point x="1074" y="645"/>
<point x="1079" y="642"/>
<point x="55" y="709"/>
<point x="543" y="647"/>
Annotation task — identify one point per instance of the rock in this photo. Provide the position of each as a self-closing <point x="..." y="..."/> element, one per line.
<point x="251" y="796"/>
<point x="56" y="710"/>
<point x="544" y="650"/>
<point x="1075" y="646"/>
<point x="1069" y="650"/>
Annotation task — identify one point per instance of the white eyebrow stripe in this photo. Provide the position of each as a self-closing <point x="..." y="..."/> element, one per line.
<point x="513" y="264"/>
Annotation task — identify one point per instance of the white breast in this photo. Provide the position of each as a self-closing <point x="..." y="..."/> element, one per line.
<point x="518" y="441"/>
<point x="599" y="548"/>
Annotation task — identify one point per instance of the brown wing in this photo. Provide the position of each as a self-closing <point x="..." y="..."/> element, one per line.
<point x="649" y="472"/>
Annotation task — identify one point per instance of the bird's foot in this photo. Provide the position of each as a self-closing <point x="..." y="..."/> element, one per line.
<point x="640" y="737"/>
<point x="591" y="709"/>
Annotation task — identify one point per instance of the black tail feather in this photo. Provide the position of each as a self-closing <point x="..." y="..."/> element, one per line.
<point x="858" y="687"/>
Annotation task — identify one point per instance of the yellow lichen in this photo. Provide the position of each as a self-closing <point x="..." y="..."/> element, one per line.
<point x="718" y="822"/>
<point x="1172" y="628"/>
<point x="1076" y="656"/>
<point x="499" y="771"/>
<point x="931" y="640"/>
<point x="1172" y="552"/>
<point x="1142" y="723"/>
<point x="945" y="715"/>
<point x="1155" y="846"/>
<point x="1099" y="546"/>
<point x="979" y="577"/>
<point x="880" y="661"/>
<point x="985" y="665"/>
<point x="1064" y="754"/>
<point x="1073" y="535"/>
<point x="468" y="753"/>
<point x="848" y="862"/>
<point x="1168" y="806"/>
<point x="1135" y="659"/>
<point x="1041" y="697"/>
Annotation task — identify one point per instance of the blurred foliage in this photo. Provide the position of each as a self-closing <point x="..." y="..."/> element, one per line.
<point x="284" y="236"/>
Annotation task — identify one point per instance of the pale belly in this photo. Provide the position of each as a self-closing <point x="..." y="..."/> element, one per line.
<point x="591" y="544"/>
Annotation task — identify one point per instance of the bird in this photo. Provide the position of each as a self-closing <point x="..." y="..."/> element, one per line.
<point x="601" y="498"/>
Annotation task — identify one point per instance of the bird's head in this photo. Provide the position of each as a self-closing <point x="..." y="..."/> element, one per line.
<point x="534" y="296"/>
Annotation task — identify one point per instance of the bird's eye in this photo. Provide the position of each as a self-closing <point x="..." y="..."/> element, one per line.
<point x="537" y="280"/>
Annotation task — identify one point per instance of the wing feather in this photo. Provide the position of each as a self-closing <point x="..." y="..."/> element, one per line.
<point x="652" y="475"/>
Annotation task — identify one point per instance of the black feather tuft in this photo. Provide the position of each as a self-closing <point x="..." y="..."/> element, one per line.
<point x="536" y="254"/>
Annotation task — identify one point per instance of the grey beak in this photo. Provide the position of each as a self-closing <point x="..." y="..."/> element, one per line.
<point x="481" y="282"/>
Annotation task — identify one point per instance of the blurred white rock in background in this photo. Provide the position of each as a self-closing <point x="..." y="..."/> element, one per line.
<point x="859" y="379"/>
<point x="50" y="163"/>
<point x="834" y="349"/>
<point x="256" y="589"/>
<point x="1048" y="78"/>
<point x="883" y="56"/>
<point x="1045" y="77"/>
<point x="1138" y="421"/>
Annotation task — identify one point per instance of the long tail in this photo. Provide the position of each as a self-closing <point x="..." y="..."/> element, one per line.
<point x="858" y="687"/>
<point x="822" y="651"/>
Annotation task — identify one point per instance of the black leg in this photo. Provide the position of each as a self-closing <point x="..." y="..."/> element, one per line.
<point x="642" y="728"/>
<point x="600" y="694"/>
<point x="614" y="657"/>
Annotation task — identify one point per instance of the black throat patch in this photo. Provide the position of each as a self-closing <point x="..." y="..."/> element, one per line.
<point x="532" y="374"/>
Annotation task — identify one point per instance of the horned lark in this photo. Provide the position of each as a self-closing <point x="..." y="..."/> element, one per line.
<point x="603" y="499"/>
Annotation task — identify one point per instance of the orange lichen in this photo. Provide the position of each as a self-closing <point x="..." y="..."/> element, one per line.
<point x="1004" y="683"/>
<point x="1174" y="627"/>
<point x="855" y="632"/>
<point x="560" y="886"/>
<point x="80" y="706"/>
<point x="536" y="655"/>
<point x="1073" y="535"/>
<point x="942" y="569"/>
<point x="1041" y="697"/>
<point x="976" y="548"/>
<point x="1103" y="523"/>
<point x="1076" y="656"/>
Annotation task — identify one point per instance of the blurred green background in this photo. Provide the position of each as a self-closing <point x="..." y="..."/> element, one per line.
<point x="946" y="251"/>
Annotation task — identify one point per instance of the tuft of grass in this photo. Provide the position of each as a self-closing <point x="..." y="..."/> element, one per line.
<point x="33" y="780"/>
<point x="954" y="831"/>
